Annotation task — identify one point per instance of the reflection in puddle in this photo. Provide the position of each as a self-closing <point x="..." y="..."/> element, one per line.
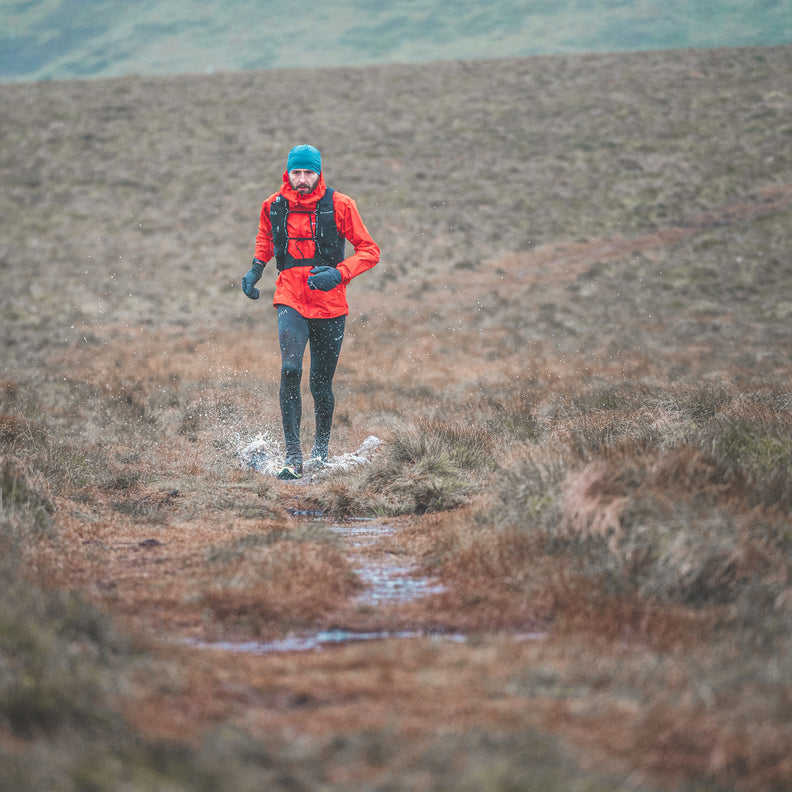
<point x="311" y="641"/>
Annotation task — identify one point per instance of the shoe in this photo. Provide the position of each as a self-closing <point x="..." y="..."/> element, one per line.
<point x="290" y="471"/>
<point x="319" y="454"/>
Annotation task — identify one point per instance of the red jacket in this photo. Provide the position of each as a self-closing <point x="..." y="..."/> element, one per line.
<point x="291" y="287"/>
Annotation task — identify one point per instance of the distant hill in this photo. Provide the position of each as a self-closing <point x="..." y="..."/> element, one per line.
<point x="64" y="39"/>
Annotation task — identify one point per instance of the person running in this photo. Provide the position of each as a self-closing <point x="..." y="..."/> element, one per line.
<point x="304" y="226"/>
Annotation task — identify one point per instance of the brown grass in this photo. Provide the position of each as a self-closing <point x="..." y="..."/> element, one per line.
<point x="276" y="586"/>
<point x="581" y="381"/>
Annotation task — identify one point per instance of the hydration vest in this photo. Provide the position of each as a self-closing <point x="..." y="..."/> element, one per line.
<point x="329" y="244"/>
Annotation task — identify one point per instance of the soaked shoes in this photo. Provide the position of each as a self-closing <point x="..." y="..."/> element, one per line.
<point x="290" y="471"/>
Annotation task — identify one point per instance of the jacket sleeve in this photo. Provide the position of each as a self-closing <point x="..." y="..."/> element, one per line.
<point x="353" y="229"/>
<point x="264" y="246"/>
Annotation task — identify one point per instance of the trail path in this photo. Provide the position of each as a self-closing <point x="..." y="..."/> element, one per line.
<point x="389" y="579"/>
<point x="564" y="261"/>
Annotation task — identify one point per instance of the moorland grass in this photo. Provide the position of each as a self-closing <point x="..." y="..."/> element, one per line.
<point x="600" y="451"/>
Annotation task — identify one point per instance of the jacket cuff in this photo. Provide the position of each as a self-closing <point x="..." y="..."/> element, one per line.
<point x="345" y="274"/>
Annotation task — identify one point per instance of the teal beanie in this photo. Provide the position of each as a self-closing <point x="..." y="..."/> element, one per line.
<point x="304" y="157"/>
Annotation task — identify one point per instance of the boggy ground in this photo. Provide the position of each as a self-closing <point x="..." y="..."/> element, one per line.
<point x="586" y="434"/>
<point x="188" y="544"/>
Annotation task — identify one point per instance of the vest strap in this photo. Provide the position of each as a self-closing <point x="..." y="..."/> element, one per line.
<point x="329" y="244"/>
<point x="287" y="262"/>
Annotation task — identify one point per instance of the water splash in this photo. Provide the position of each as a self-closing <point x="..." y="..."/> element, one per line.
<point x="265" y="455"/>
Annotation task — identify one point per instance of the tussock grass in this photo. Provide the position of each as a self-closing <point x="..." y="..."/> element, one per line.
<point x="427" y="466"/>
<point x="430" y="466"/>
<point x="683" y="504"/>
<point x="588" y="437"/>
<point x="24" y="497"/>
<point x="278" y="581"/>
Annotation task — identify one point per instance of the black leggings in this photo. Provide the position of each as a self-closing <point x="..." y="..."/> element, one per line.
<point x="325" y="337"/>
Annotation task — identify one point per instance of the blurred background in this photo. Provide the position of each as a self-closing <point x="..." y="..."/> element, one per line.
<point x="63" y="39"/>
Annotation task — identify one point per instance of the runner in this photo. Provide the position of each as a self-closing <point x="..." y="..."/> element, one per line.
<point x="304" y="226"/>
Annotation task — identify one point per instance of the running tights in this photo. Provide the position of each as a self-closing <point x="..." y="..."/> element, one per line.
<point x="325" y="337"/>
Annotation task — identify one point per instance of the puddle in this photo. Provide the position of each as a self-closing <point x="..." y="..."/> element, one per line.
<point x="386" y="584"/>
<point x="325" y="638"/>
<point x="265" y="455"/>
<point x="313" y="641"/>
<point x="388" y="579"/>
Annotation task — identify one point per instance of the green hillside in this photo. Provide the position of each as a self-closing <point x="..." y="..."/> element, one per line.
<point x="62" y="39"/>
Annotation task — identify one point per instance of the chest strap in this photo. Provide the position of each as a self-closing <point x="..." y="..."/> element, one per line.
<point x="328" y="243"/>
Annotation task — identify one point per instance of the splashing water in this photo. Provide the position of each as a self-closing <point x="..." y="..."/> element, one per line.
<point x="265" y="455"/>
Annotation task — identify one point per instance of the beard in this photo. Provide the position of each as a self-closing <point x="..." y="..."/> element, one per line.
<point x="302" y="186"/>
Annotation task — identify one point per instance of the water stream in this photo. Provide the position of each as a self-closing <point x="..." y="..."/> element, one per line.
<point x="386" y="582"/>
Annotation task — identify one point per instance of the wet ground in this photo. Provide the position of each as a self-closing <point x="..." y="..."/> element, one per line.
<point x="388" y="579"/>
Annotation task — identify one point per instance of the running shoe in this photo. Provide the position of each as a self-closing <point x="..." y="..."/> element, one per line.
<point x="290" y="471"/>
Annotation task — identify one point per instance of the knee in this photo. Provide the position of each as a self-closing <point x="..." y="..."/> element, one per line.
<point x="290" y="369"/>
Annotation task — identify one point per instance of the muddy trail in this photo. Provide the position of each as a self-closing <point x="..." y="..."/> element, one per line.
<point x="388" y="579"/>
<point x="152" y="560"/>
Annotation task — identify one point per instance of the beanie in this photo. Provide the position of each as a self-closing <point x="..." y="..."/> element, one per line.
<point x="304" y="157"/>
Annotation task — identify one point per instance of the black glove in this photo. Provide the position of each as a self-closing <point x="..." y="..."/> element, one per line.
<point x="324" y="278"/>
<point x="251" y="278"/>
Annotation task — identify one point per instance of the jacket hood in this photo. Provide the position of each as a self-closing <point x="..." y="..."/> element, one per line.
<point x="295" y="199"/>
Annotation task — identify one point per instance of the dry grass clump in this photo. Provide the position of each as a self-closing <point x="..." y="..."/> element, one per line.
<point x="66" y="452"/>
<point x="683" y="501"/>
<point x="25" y="499"/>
<point x="429" y="466"/>
<point x="276" y="582"/>
<point x="58" y="653"/>
<point x="492" y="581"/>
<point x="426" y="466"/>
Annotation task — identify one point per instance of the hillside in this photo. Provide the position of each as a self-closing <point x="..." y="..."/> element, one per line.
<point x="575" y="351"/>
<point x="64" y="39"/>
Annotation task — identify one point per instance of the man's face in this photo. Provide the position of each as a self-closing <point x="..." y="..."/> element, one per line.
<point x="303" y="181"/>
